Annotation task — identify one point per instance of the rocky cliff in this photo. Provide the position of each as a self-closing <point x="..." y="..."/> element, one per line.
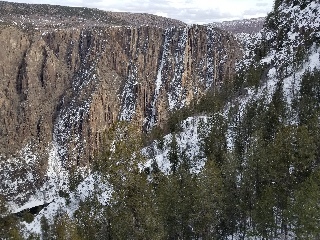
<point x="61" y="88"/>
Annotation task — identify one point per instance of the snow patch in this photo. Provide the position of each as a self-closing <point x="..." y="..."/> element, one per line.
<point x="189" y="140"/>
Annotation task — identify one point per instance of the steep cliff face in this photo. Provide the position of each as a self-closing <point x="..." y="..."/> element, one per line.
<point x="61" y="89"/>
<point x="75" y="83"/>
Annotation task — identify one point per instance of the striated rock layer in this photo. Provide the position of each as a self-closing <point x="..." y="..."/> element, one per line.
<point x="66" y="87"/>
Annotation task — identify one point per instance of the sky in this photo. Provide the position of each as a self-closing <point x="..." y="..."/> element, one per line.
<point x="188" y="11"/>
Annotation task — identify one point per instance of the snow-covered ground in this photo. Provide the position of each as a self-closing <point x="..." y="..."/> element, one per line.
<point x="193" y="130"/>
<point x="281" y="57"/>
<point x="92" y="186"/>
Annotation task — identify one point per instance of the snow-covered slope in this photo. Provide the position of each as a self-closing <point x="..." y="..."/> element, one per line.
<point x="188" y="143"/>
<point x="290" y="33"/>
<point x="60" y="199"/>
<point x="289" y="49"/>
<point x="247" y="26"/>
<point x="92" y="187"/>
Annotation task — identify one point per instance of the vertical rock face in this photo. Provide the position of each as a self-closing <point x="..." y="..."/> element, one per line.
<point x="66" y="87"/>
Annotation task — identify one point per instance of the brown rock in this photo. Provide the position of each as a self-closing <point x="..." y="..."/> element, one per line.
<point x="68" y="86"/>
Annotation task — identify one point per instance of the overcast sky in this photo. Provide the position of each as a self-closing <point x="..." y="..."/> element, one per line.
<point x="188" y="11"/>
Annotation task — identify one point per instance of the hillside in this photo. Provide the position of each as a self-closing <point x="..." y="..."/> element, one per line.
<point x="54" y="16"/>
<point x="151" y="133"/>
<point x="247" y="26"/>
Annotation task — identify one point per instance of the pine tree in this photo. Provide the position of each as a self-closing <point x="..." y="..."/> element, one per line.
<point x="215" y="145"/>
<point x="65" y="228"/>
<point x="173" y="154"/>
<point x="9" y="225"/>
<point x="209" y="207"/>
<point x="186" y="207"/>
<point x="305" y="213"/>
<point x="89" y="220"/>
<point x="45" y="228"/>
<point x="131" y="213"/>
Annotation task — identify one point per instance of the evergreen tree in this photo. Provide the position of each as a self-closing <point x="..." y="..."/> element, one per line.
<point x="215" y="145"/>
<point x="305" y="214"/>
<point x="275" y="115"/>
<point x="65" y="228"/>
<point x="131" y="213"/>
<point x="88" y="219"/>
<point x="209" y="206"/>
<point x="45" y="228"/>
<point x="173" y="154"/>
<point x="9" y="224"/>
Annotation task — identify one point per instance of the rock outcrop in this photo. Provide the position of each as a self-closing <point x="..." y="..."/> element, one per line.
<point x="64" y="87"/>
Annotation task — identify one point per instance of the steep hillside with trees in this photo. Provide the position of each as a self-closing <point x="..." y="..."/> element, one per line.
<point x="241" y="162"/>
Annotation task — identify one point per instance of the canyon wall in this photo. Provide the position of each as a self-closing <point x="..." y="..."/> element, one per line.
<point x="63" y="88"/>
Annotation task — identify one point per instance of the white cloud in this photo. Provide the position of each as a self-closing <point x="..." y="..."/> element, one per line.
<point x="189" y="11"/>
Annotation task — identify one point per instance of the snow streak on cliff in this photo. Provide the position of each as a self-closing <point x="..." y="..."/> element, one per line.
<point x="73" y="108"/>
